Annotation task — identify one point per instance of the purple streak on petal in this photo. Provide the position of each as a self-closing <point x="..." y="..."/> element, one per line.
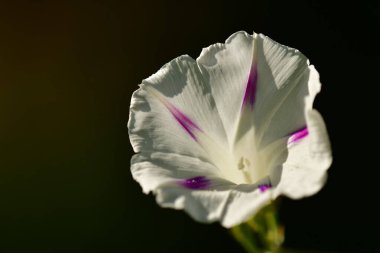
<point x="298" y="135"/>
<point x="196" y="183"/>
<point x="264" y="187"/>
<point x="250" y="90"/>
<point x="184" y="121"/>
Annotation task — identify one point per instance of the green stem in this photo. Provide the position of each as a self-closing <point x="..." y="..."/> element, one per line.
<point x="262" y="233"/>
<point x="282" y="250"/>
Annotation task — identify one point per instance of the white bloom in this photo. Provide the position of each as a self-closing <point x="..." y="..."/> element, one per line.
<point x="223" y="135"/>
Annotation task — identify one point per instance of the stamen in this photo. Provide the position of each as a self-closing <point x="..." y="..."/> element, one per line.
<point x="243" y="166"/>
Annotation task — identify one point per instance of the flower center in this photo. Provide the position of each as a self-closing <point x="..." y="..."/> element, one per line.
<point x="250" y="163"/>
<point x="242" y="163"/>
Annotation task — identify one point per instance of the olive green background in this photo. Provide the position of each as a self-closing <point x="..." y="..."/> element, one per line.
<point x="67" y="72"/>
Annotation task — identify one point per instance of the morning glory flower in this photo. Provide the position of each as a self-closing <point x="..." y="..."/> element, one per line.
<point x="225" y="134"/>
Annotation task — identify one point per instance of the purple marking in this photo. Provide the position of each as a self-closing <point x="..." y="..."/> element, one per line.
<point x="196" y="183"/>
<point x="184" y="121"/>
<point x="298" y="135"/>
<point x="250" y="90"/>
<point x="264" y="187"/>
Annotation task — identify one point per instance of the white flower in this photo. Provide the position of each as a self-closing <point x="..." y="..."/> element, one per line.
<point x="223" y="135"/>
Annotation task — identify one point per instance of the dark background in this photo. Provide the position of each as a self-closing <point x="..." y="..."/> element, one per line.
<point x="67" y="71"/>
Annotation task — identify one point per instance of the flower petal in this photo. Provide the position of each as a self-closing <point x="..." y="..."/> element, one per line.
<point x="232" y="77"/>
<point x="281" y="90"/>
<point x="231" y="206"/>
<point x="303" y="172"/>
<point x="167" y="176"/>
<point x="156" y="169"/>
<point x="174" y="112"/>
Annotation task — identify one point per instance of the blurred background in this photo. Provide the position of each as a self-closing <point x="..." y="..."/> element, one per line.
<point x="67" y="72"/>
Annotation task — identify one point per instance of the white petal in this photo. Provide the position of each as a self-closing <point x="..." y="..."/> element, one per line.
<point x="303" y="172"/>
<point x="228" y="66"/>
<point x="157" y="169"/>
<point x="154" y="127"/>
<point x="221" y="201"/>
<point x="230" y="207"/>
<point x="283" y="75"/>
